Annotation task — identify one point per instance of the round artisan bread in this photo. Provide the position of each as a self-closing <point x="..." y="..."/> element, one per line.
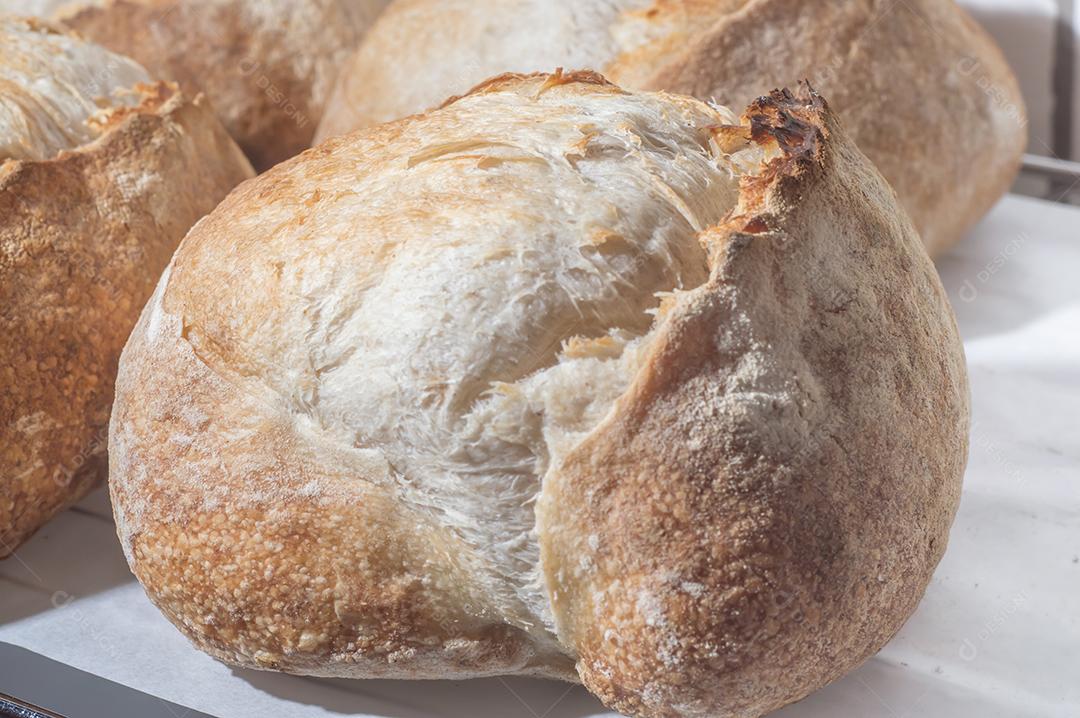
<point x="268" y="65"/>
<point x="922" y="89"/>
<point x="101" y="174"/>
<point x="556" y="380"/>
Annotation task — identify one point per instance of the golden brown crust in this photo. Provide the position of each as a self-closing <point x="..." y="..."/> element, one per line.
<point x="268" y="65"/>
<point x="766" y="505"/>
<point x="923" y="90"/>
<point x="83" y="238"/>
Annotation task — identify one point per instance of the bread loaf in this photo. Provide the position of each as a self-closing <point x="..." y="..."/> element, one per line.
<point x="268" y="65"/>
<point x="101" y="174"/>
<point x="557" y="380"/>
<point x="923" y="90"/>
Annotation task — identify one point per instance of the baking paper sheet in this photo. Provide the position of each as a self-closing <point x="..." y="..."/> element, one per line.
<point x="997" y="635"/>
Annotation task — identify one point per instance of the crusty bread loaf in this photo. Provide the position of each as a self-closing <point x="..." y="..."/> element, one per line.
<point x="555" y="380"/>
<point x="923" y="90"/>
<point x="268" y="65"/>
<point x="99" y="181"/>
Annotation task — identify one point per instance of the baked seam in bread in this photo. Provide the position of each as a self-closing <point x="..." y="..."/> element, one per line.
<point x="923" y="90"/>
<point x="99" y="181"/>
<point x="556" y="380"/>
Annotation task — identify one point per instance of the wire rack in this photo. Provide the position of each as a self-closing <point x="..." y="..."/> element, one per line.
<point x="14" y="708"/>
<point x="1049" y="178"/>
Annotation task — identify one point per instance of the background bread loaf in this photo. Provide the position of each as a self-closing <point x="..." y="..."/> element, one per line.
<point x="99" y="180"/>
<point x="923" y="90"/>
<point x="267" y="65"/>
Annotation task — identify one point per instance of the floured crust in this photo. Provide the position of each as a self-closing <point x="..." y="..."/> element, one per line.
<point x="295" y="557"/>
<point x="269" y="65"/>
<point x="757" y="513"/>
<point x="83" y="237"/>
<point x="923" y="90"/>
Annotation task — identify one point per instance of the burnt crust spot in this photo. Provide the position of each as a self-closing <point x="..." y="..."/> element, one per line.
<point x="794" y="122"/>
